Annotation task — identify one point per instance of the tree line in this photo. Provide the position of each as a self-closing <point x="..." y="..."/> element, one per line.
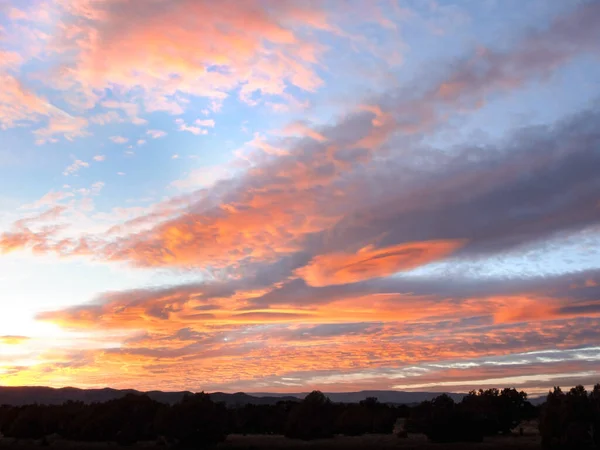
<point x="480" y="413"/>
<point x="568" y="420"/>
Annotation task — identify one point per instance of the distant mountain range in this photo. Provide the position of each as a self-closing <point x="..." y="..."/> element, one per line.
<point x="45" y="395"/>
<point x="395" y="397"/>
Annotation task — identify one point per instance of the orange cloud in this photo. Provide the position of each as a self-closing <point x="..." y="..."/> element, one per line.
<point x="38" y="241"/>
<point x="263" y="223"/>
<point x="531" y="307"/>
<point x="524" y="308"/>
<point x="370" y="262"/>
<point x="13" y="340"/>
<point x="253" y="354"/>
<point x="163" y="336"/>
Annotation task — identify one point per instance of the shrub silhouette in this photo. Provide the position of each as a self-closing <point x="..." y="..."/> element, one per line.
<point x="354" y="420"/>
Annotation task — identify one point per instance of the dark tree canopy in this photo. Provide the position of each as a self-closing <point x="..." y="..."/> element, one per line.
<point x="571" y="420"/>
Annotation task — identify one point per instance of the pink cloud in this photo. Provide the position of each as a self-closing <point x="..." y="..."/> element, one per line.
<point x="298" y="128"/>
<point x="49" y="215"/>
<point x="17" y="103"/>
<point x="239" y="36"/>
<point x="49" y="199"/>
<point x="10" y="59"/>
<point x="63" y="124"/>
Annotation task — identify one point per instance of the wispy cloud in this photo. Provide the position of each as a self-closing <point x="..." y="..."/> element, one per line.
<point x="119" y="139"/>
<point x="77" y="165"/>
<point x="155" y="134"/>
<point x="182" y="126"/>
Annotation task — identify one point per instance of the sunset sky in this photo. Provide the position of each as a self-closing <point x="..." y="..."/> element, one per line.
<point x="279" y="195"/>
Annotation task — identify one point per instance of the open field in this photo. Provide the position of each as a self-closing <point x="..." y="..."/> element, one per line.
<point x="376" y="441"/>
<point x="256" y="442"/>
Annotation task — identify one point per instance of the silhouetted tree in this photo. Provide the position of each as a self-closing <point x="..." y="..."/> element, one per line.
<point x="28" y="423"/>
<point x="313" y="418"/>
<point x="595" y="415"/>
<point x="195" y="422"/>
<point x="497" y="411"/>
<point x="260" y="419"/>
<point x="442" y="420"/>
<point x="419" y="417"/>
<point x="568" y="420"/>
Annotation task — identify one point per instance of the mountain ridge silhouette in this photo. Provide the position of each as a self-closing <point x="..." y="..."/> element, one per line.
<point x="24" y="395"/>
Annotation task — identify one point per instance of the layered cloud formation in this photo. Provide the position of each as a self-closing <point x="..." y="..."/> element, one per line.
<point x="288" y="197"/>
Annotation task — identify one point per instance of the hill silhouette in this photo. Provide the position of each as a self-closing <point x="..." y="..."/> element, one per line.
<point x="17" y="396"/>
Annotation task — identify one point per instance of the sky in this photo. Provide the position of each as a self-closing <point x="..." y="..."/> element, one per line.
<point x="280" y="195"/>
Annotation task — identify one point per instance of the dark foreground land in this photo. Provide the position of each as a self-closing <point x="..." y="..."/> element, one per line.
<point x="376" y="441"/>
<point x="490" y="419"/>
<point x="255" y="442"/>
